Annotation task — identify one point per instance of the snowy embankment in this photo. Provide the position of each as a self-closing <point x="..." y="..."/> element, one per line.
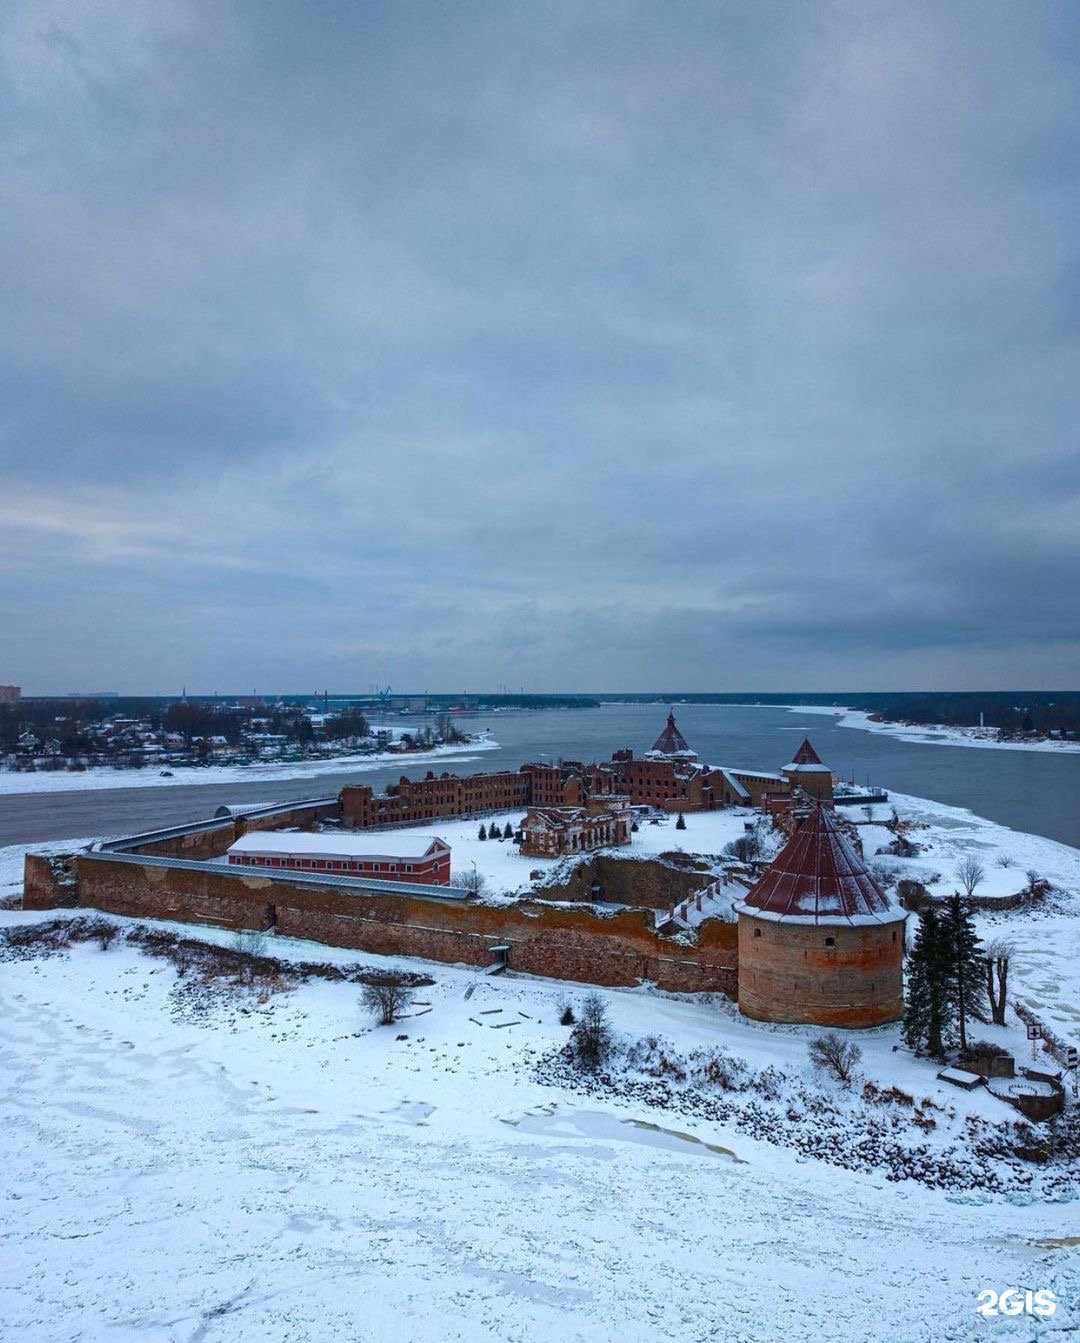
<point x="280" y="1169"/>
<point x="267" y="771"/>
<point x="1045" y="968"/>
<point x="932" y="734"/>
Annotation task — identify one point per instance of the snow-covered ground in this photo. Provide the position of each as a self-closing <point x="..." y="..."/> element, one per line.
<point x="933" y="734"/>
<point x="282" y="1170"/>
<point x="266" y="771"/>
<point x="506" y="870"/>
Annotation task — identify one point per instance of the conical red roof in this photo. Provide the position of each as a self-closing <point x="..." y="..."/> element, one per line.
<point x="806" y="761"/>
<point x="806" y="755"/>
<point x="818" y="875"/>
<point x="671" y="741"/>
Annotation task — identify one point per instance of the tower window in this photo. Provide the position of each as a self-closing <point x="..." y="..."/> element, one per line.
<point x="830" y="941"/>
<point x="757" y="932"/>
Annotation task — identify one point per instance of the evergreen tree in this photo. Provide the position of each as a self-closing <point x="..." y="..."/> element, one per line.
<point x="508" y="831"/>
<point x="680" y="824"/>
<point x="967" y="962"/>
<point x="482" y="832"/>
<point x="929" y="991"/>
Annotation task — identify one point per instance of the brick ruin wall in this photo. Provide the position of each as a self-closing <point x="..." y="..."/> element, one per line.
<point x="578" y="943"/>
<point x="49" y="883"/>
<point x="651" y="884"/>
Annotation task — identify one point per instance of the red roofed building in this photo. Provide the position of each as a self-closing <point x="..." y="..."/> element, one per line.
<point x="808" y="773"/>
<point x="819" y="940"/>
<point x="400" y="855"/>
<point x="671" y="742"/>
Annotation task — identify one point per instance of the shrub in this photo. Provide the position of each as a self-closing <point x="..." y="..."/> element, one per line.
<point x="986" y="1049"/>
<point x="769" y="1083"/>
<point x="386" y="994"/>
<point x="718" y="1069"/>
<point x="566" y="1014"/>
<point x="107" y="935"/>
<point x="832" y="1054"/>
<point x="913" y="894"/>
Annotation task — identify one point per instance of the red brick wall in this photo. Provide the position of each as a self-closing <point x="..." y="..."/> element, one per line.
<point x="303" y="817"/>
<point x="576" y="943"/>
<point x="790" y="974"/>
<point x="49" y="883"/>
<point x="199" y="845"/>
<point x="226" y="900"/>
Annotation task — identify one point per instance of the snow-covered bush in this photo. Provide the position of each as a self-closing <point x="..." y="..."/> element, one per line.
<point x="832" y="1054"/>
<point x="717" y="1068"/>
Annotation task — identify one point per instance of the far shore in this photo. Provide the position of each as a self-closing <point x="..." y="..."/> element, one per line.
<point x="931" y="734"/>
<point x="152" y="776"/>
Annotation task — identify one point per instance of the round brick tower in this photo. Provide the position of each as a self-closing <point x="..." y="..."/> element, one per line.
<point x="819" y="940"/>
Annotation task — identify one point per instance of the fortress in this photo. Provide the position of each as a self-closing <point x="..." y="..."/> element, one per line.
<point x="812" y="938"/>
<point x="669" y="776"/>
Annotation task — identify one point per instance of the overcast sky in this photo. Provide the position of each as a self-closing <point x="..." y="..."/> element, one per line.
<point x="567" y="346"/>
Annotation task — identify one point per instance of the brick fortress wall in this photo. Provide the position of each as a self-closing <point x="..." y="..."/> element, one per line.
<point x="578" y="943"/>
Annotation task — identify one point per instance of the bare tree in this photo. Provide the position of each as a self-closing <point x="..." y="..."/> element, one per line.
<point x="386" y="994"/>
<point x="592" y="1037"/>
<point x="969" y="873"/>
<point x="998" y="956"/>
<point x="833" y="1054"/>
<point x="469" y="880"/>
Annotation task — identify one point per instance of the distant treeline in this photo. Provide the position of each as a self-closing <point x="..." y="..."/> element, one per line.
<point x="1011" y="712"/>
<point x="1043" y="712"/>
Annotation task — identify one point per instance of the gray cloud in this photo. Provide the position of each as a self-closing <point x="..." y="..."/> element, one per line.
<point x="722" y="348"/>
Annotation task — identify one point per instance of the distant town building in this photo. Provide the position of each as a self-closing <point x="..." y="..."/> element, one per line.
<point x="401" y="856"/>
<point x="10" y="694"/>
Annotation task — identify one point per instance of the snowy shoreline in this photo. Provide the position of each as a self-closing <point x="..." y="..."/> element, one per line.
<point x="14" y="782"/>
<point x="929" y="734"/>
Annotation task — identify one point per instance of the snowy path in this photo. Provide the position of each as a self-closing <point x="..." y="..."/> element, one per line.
<point x="289" y="1174"/>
